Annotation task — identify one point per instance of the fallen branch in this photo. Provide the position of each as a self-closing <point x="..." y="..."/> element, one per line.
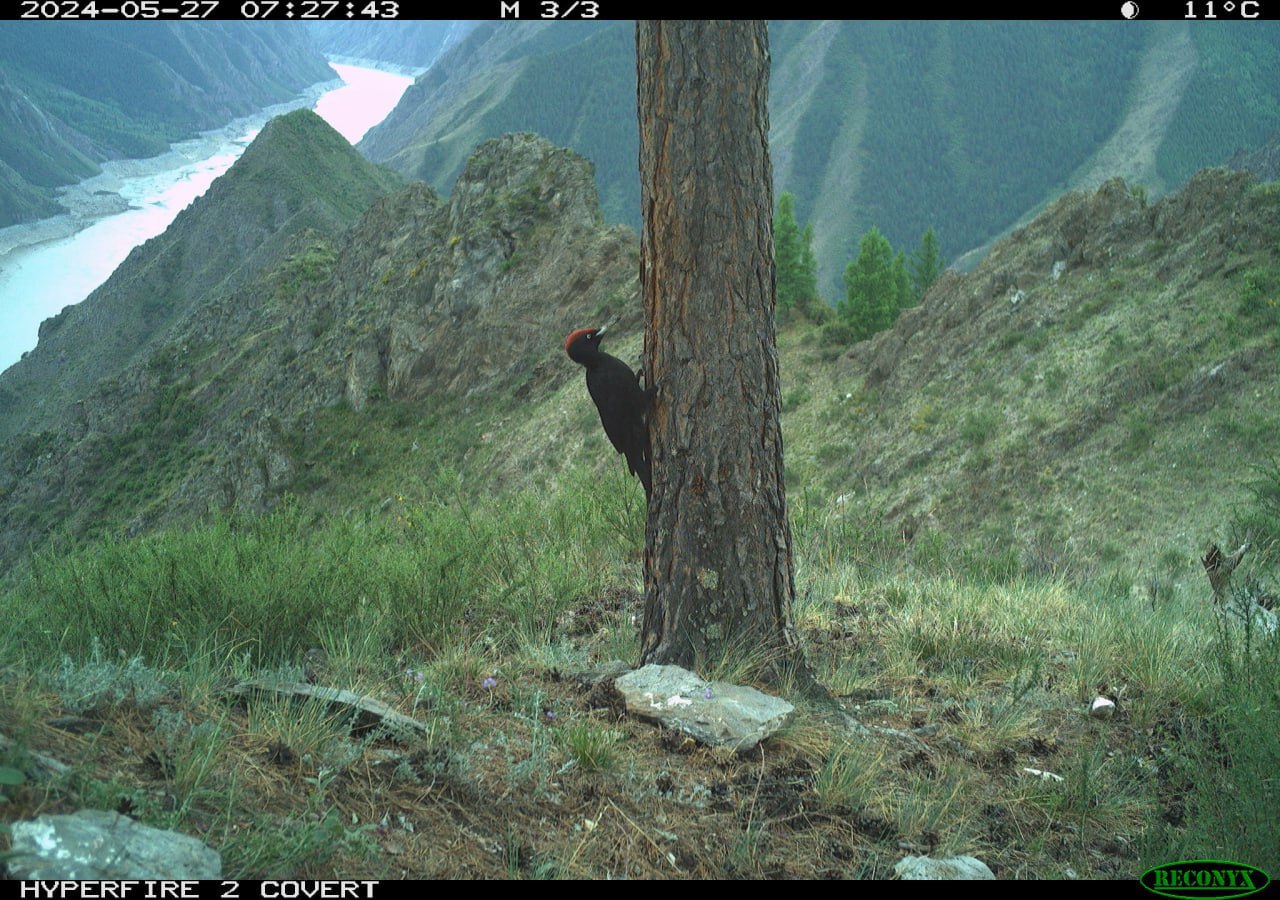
<point x="369" y="713"/>
<point x="46" y="764"/>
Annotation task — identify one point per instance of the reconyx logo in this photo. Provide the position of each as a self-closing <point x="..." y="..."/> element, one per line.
<point x="1196" y="878"/>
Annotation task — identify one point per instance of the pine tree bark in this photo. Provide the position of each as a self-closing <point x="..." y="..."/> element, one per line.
<point x="718" y="562"/>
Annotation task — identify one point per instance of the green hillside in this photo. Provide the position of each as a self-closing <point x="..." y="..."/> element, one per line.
<point x="966" y="127"/>
<point x="1232" y="102"/>
<point x="78" y="93"/>
<point x="370" y="466"/>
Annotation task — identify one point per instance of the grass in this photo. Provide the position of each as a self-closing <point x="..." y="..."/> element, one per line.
<point x="851" y="778"/>
<point x="960" y="675"/>
<point x="591" y="747"/>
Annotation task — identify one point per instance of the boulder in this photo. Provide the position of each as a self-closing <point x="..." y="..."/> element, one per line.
<point x="953" y="868"/>
<point x="95" y="844"/>
<point x="713" y="712"/>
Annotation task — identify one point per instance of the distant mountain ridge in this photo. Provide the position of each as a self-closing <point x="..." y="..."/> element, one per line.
<point x="282" y="185"/>
<point x="967" y="127"/>
<point x="415" y="45"/>
<point x="73" y="94"/>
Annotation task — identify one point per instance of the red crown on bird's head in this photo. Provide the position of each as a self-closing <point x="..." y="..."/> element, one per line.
<point x="574" y="335"/>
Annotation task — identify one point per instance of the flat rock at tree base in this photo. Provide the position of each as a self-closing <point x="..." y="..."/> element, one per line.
<point x="94" y="843"/>
<point x="713" y="712"/>
<point x="953" y="868"/>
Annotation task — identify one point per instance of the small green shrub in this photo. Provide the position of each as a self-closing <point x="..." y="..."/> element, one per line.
<point x="593" y="748"/>
<point x="978" y="426"/>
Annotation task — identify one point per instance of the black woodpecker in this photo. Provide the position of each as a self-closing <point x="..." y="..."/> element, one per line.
<point x="622" y="403"/>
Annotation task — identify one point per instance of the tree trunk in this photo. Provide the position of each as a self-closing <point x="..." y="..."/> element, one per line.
<point x="718" y="569"/>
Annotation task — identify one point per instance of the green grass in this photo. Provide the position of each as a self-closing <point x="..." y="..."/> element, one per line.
<point x="590" y="746"/>
<point x="1220" y="766"/>
<point x="275" y="586"/>
<point x="462" y="614"/>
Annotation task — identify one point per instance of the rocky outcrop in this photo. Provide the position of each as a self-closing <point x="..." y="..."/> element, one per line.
<point x="1263" y="162"/>
<point x="422" y="299"/>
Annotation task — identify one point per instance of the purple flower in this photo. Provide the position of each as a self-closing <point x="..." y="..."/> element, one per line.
<point x="413" y="675"/>
<point x="489" y="684"/>
<point x="707" y="693"/>
<point x="551" y="716"/>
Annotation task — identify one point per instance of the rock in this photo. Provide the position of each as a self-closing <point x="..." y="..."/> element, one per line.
<point x="1101" y="708"/>
<point x="94" y="843"/>
<point x="1041" y="774"/>
<point x="606" y="671"/>
<point x="367" y="712"/>
<point x="953" y="868"/>
<point x="715" y="713"/>
<point x="1242" y="611"/>
<point x="46" y="765"/>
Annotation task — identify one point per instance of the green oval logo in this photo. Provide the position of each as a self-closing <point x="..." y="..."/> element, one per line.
<point x="1193" y="879"/>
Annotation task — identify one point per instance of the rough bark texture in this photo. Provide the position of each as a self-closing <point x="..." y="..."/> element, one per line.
<point x="718" y="566"/>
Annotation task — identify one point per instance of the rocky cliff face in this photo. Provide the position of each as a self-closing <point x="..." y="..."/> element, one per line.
<point x="423" y="298"/>
<point x="487" y="284"/>
<point x="1264" y="162"/>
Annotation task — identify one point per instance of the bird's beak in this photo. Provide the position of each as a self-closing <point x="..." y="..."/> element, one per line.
<point x="601" y="330"/>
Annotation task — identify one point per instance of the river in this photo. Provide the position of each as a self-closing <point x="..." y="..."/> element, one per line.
<point x="45" y="266"/>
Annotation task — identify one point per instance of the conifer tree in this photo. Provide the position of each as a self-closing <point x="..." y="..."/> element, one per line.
<point x="797" y="267"/>
<point x="926" y="264"/>
<point x="718" y="566"/>
<point x="811" y="302"/>
<point x="787" y="253"/>
<point x="876" y="287"/>
<point x="904" y="295"/>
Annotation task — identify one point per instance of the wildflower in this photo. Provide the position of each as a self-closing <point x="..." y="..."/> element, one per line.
<point x="707" y="693"/>
<point x="551" y="716"/>
<point x="489" y="683"/>
<point x="413" y="675"/>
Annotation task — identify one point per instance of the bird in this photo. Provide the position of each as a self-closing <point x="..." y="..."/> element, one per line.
<point x="622" y="403"/>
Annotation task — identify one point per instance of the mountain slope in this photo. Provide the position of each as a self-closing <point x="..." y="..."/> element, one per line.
<point x="557" y="80"/>
<point x="79" y="93"/>
<point x="420" y="318"/>
<point x="413" y="44"/>
<point x="1100" y="388"/>
<point x="967" y="127"/>
<point x="1094" y="393"/>
<point x="283" y="184"/>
